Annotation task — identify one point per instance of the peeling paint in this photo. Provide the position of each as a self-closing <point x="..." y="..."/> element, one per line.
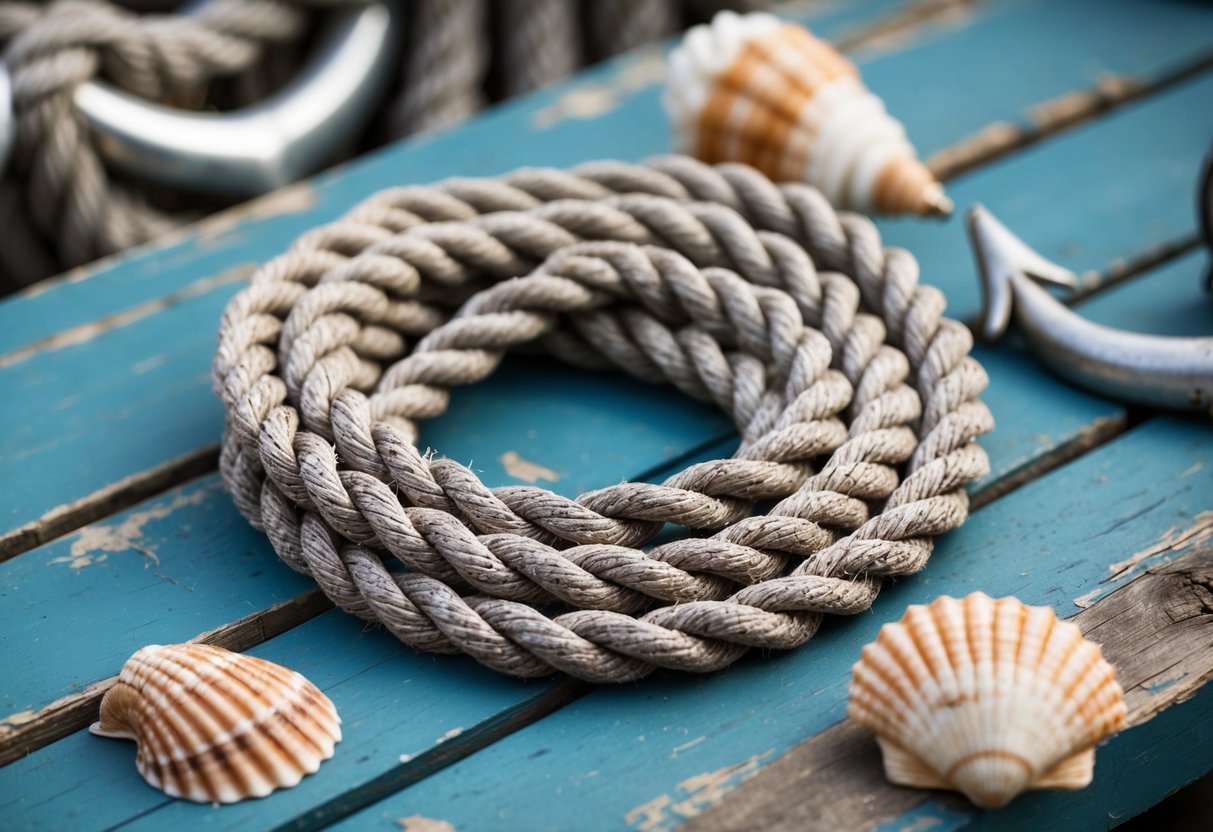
<point x="678" y="749"/>
<point x="1085" y="601"/>
<point x="92" y="541"/>
<point x="81" y="561"/>
<point x="692" y="796"/>
<point x="645" y="68"/>
<point x="906" y="28"/>
<point x="449" y="735"/>
<point x="18" y="719"/>
<point x="1173" y="540"/>
<point x="293" y="199"/>
<point x="86" y="332"/>
<point x="419" y="823"/>
<point x="524" y="469"/>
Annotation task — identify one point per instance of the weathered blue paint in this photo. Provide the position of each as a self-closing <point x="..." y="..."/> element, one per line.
<point x="398" y="709"/>
<point x="165" y="571"/>
<point x="1086" y="199"/>
<point x="618" y="753"/>
<point x="1169" y="300"/>
<point x="1030" y="427"/>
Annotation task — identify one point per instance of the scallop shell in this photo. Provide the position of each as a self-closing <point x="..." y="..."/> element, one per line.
<point x="214" y="726"/>
<point x="752" y="88"/>
<point x="989" y="698"/>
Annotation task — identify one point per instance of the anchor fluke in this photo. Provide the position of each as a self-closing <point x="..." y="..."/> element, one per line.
<point x="1154" y="370"/>
<point x="1000" y="257"/>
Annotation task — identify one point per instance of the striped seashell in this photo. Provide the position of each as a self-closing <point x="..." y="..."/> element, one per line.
<point x="752" y="88"/>
<point x="214" y="726"/>
<point x="989" y="698"/>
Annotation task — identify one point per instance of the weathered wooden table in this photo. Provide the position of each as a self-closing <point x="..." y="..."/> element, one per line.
<point x="1081" y="125"/>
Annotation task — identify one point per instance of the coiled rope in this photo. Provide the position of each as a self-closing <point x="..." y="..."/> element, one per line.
<point x="856" y="401"/>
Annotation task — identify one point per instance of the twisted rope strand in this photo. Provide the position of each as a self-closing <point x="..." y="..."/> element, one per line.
<point x="839" y="382"/>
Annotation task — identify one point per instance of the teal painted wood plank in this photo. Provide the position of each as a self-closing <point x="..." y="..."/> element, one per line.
<point x="379" y="687"/>
<point x="1117" y="187"/>
<point x="646" y="756"/>
<point x="1035" y="414"/>
<point x="475" y="149"/>
<point x="186" y="562"/>
<point x="915" y="73"/>
<point x="400" y="709"/>
<point x="167" y="570"/>
<point x="1168" y="300"/>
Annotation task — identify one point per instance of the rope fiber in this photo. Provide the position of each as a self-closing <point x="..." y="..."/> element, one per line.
<point x="855" y="399"/>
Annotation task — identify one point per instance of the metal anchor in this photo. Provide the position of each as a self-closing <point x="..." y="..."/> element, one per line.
<point x="1154" y="370"/>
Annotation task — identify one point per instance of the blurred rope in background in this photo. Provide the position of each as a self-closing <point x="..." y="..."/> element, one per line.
<point x="62" y="204"/>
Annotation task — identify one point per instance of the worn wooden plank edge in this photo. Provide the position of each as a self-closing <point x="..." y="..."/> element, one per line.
<point x="1057" y="115"/>
<point x="415" y="769"/>
<point x="115" y="497"/>
<point x="1155" y="629"/>
<point x="1090" y="437"/>
<point x="25" y="732"/>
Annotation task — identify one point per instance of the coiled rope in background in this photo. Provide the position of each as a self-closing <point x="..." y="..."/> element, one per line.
<point x="856" y="401"/>
<point x="60" y="207"/>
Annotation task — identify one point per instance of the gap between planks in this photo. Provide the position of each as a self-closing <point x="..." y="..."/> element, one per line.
<point x="23" y="733"/>
<point x="1154" y="629"/>
<point x="115" y="497"/>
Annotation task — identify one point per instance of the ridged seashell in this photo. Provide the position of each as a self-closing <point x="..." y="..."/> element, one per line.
<point x="214" y="726"/>
<point x="989" y="698"/>
<point x="751" y="88"/>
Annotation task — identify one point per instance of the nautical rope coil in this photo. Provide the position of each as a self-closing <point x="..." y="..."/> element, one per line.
<point x="856" y="401"/>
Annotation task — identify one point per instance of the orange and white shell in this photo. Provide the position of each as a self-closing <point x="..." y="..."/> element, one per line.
<point x="214" y="726"/>
<point x="989" y="698"/>
<point x="752" y="88"/>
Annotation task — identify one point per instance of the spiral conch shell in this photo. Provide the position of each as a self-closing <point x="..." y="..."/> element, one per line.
<point x="989" y="698"/>
<point x="751" y="88"/>
<point x="214" y="726"/>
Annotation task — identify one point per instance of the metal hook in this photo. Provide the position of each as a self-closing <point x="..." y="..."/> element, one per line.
<point x="258" y="148"/>
<point x="1156" y="370"/>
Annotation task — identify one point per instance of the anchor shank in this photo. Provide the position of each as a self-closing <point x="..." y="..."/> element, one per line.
<point x="1160" y="371"/>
